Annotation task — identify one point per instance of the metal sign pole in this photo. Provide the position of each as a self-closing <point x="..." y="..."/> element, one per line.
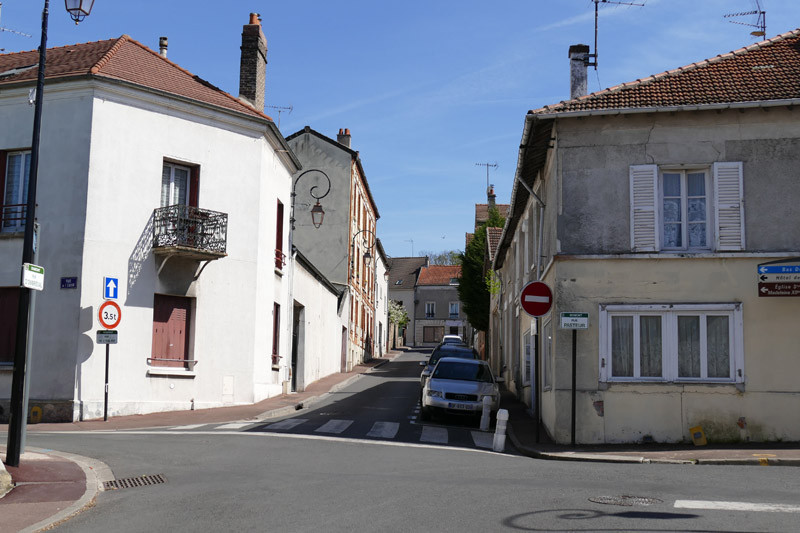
<point x="574" y="378"/>
<point x="105" y="401"/>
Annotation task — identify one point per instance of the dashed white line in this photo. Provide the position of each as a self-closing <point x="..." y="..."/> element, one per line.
<point x="384" y="430"/>
<point x="289" y="423"/>
<point x="334" y="426"/>
<point x="737" y="506"/>
<point x="433" y="434"/>
<point x="234" y="425"/>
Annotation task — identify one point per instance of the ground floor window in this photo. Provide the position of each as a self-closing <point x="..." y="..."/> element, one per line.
<point x="432" y="333"/>
<point x="9" y="304"/>
<point x="671" y="343"/>
<point x="171" y="330"/>
<point x="526" y="342"/>
<point x="547" y="354"/>
<point x="453" y="330"/>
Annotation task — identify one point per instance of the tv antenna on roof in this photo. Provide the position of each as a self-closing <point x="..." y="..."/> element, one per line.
<point x="10" y="30"/>
<point x="281" y="109"/>
<point x="488" y="166"/>
<point x="596" y="11"/>
<point x="761" y="19"/>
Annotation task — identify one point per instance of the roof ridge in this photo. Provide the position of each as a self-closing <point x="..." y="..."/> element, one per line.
<point x="679" y="70"/>
<point x="110" y="53"/>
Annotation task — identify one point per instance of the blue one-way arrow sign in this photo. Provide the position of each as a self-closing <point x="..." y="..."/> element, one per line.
<point x="110" y="288"/>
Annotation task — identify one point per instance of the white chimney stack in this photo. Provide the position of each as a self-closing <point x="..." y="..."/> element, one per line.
<point x="578" y="62"/>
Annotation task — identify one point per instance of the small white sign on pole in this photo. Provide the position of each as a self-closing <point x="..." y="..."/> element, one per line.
<point x="107" y="336"/>
<point x="574" y="320"/>
<point x="32" y="276"/>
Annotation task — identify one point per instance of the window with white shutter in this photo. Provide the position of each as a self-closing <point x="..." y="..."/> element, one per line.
<point x="687" y="209"/>
<point x="729" y="206"/>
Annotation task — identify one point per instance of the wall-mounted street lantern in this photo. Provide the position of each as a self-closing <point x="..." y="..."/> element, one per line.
<point x="78" y="9"/>
<point x="317" y="213"/>
<point x="367" y="257"/>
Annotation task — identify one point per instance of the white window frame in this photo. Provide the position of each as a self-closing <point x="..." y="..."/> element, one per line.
<point x="669" y="354"/>
<point x="547" y="354"/>
<point x="432" y="312"/>
<point x="683" y="174"/>
<point x="527" y="363"/>
<point x="22" y="183"/>
<point x="172" y="167"/>
<point x="451" y="313"/>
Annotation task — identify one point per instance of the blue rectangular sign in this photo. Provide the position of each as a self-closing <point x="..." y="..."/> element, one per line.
<point x="110" y="288"/>
<point x="69" y="283"/>
<point x="778" y="269"/>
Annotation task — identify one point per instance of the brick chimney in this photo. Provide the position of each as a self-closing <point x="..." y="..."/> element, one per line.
<point x="578" y="61"/>
<point x="491" y="198"/>
<point x="344" y="137"/>
<point x="253" y="64"/>
<point x="162" y="46"/>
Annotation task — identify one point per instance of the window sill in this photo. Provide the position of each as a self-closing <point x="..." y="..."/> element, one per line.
<point x="6" y="367"/>
<point x="606" y="385"/>
<point x="171" y="372"/>
<point x="12" y="234"/>
<point x="279" y="272"/>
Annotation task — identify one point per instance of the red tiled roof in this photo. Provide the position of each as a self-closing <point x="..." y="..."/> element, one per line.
<point x="768" y="70"/>
<point x="438" y="274"/>
<point x="121" y="59"/>
<point x="493" y="240"/>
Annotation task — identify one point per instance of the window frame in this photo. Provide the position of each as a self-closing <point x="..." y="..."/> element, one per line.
<point x="547" y="353"/>
<point x="683" y="174"/>
<point x="23" y="182"/>
<point x="432" y="312"/>
<point x="189" y="185"/>
<point x="450" y="310"/>
<point x="669" y="314"/>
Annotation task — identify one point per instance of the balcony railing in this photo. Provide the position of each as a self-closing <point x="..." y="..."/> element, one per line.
<point x="190" y="231"/>
<point x="12" y="217"/>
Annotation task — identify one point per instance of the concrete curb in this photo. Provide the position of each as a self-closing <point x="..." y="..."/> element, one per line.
<point x="96" y="473"/>
<point x="6" y="484"/>
<point x="631" y="459"/>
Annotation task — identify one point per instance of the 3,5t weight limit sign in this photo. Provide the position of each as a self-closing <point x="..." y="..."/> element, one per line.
<point x="109" y="314"/>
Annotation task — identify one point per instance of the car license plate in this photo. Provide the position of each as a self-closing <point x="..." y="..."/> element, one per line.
<point x="452" y="405"/>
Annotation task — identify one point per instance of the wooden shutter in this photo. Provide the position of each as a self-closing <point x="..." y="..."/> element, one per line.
<point x="729" y="205"/>
<point x="9" y="304"/>
<point x="3" y="157"/>
<point x="171" y="318"/>
<point x="194" y="186"/>
<point x="644" y="208"/>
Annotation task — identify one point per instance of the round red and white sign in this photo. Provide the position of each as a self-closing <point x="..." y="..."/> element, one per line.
<point x="536" y="298"/>
<point x="109" y="314"/>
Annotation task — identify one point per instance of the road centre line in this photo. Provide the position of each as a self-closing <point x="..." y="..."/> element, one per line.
<point x="737" y="506"/>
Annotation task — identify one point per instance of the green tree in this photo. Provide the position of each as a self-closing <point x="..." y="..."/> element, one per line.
<point x="447" y="257"/>
<point x="473" y="288"/>
<point x="397" y="314"/>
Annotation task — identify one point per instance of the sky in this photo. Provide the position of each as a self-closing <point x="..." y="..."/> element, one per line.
<point x="429" y="89"/>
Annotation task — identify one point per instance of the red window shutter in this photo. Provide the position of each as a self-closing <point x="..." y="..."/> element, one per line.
<point x="9" y="303"/>
<point x="171" y="321"/>
<point x="276" y="329"/>
<point x="194" y="186"/>
<point x="279" y="237"/>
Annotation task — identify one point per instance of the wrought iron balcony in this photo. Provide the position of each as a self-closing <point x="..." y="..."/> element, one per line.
<point x="190" y="232"/>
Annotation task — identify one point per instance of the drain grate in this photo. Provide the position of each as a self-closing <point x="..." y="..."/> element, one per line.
<point x="624" y="500"/>
<point x="131" y="482"/>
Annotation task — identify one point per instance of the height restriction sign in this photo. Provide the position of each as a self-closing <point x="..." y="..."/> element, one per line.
<point x="536" y="298"/>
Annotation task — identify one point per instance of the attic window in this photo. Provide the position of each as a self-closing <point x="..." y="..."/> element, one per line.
<point x="453" y="281"/>
<point x="398" y="282"/>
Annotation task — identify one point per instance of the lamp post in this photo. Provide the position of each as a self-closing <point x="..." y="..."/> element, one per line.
<point x="78" y="10"/>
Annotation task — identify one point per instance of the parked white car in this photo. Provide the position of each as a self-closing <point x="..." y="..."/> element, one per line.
<point x="458" y="386"/>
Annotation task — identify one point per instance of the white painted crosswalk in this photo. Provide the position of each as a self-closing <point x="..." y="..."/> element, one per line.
<point x="737" y="506"/>
<point x="385" y="430"/>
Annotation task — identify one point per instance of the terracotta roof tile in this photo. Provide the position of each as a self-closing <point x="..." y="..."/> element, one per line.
<point x="122" y="59"/>
<point x="769" y="70"/>
<point x="493" y="240"/>
<point x="438" y="274"/>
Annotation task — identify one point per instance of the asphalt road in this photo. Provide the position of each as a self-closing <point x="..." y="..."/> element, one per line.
<point x="253" y="478"/>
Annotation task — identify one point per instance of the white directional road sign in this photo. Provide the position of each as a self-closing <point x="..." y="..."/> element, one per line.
<point x="33" y="276"/>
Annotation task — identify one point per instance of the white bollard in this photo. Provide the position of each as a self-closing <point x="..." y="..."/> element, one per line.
<point x="499" y="443"/>
<point x="486" y="414"/>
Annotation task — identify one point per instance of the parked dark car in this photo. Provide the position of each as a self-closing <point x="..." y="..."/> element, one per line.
<point x="445" y="350"/>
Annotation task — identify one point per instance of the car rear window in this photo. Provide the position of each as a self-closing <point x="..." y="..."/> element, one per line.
<point x="462" y="371"/>
<point x="464" y="352"/>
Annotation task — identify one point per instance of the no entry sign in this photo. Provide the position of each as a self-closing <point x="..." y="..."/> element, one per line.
<point x="536" y="298"/>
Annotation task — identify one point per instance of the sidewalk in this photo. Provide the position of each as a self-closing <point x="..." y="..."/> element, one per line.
<point x="49" y="487"/>
<point x="522" y="432"/>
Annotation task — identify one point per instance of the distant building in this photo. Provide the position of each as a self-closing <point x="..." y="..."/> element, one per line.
<point x="437" y="308"/>
<point x="403" y="273"/>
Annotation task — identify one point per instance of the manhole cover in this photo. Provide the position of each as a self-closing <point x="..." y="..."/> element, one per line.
<point x="130" y="482"/>
<point x="625" y="501"/>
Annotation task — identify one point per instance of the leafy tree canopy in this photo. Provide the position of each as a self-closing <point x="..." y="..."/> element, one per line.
<point x="446" y="257"/>
<point x="473" y="289"/>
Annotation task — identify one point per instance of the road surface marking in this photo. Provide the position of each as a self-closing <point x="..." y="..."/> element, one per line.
<point x="193" y="426"/>
<point x="737" y="506"/>
<point x="434" y="434"/>
<point x="334" y="426"/>
<point x="289" y="423"/>
<point x="483" y="439"/>
<point x="384" y="430"/>
<point x="235" y="425"/>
